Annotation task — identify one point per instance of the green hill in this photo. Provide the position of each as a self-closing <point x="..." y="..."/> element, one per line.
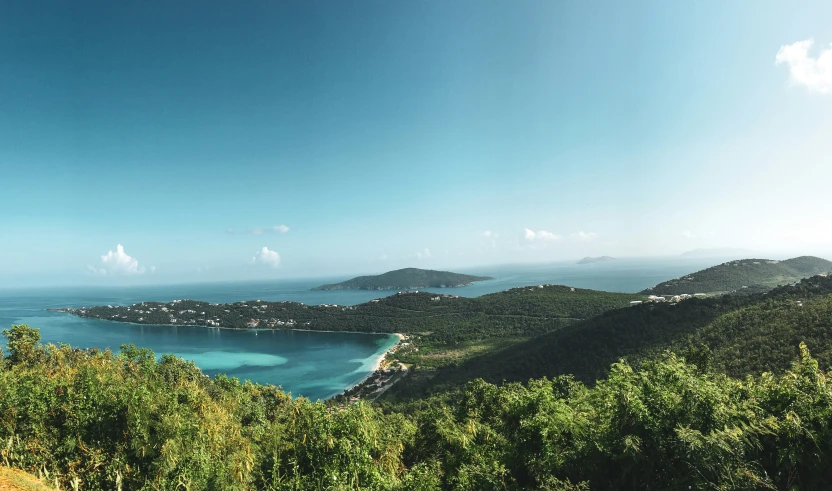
<point x="406" y="279"/>
<point x="753" y="275"/>
<point x="743" y="335"/>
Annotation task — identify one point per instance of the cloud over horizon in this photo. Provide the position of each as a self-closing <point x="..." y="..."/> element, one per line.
<point x="266" y="257"/>
<point x="424" y="254"/>
<point x="280" y="229"/>
<point x="813" y="73"/>
<point x="118" y="263"/>
<point x="584" y="236"/>
<point x="540" y="236"/>
<point x="491" y="237"/>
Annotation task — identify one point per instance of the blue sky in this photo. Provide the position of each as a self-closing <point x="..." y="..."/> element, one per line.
<point x="363" y="136"/>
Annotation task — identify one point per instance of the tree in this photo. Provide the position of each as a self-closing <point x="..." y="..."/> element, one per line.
<point x="22" y="341"/>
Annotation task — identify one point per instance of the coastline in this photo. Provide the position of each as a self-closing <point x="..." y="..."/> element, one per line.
<point x="224" y="327"/>
<point x="377" y="369"/>
<point x="377" y="359"/>
<point x="381" y="357"/>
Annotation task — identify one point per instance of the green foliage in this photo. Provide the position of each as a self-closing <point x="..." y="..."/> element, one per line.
<point x="21" y="342"/>
<point x="406" y="279"/>
<point x="126" y="420"/>
<point x="665" y="426"/>
<point x="735" y="334"/>
<point x="744" y="276"/>
<point x="101" y="421"/>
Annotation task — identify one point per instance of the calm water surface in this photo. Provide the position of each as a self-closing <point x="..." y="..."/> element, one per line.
<point x="310" y="364"/>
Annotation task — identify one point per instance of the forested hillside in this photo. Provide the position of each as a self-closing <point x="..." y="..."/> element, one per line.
<point x="98" y="421"/>
<point x="746" y="275"/>
<point x="746" y="334"/>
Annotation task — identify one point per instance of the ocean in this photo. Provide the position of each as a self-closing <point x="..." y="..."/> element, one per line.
<point x="316" y="365"/>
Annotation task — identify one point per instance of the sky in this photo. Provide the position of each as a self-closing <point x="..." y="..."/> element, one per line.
<point x="149" y="141"/>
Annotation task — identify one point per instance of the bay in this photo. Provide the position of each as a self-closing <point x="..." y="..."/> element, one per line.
<point x="316" y="365"/>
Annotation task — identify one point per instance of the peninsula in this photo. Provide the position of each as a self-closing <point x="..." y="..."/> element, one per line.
<point x="406" y="279"/>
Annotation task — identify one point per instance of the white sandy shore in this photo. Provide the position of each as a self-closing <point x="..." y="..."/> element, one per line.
<point x="380" y="358"/>
<point x="376" y="363"/>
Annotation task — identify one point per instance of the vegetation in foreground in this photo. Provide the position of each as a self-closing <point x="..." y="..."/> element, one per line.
<point x="95" y="420"/>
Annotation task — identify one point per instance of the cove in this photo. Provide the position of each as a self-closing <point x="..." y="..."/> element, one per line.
<point x="316" y="365"/>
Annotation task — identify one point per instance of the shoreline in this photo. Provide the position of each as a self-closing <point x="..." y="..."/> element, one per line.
<point x="227" y="328"/>
<point x="376" y="365"/>
<point x="381" y="357"/>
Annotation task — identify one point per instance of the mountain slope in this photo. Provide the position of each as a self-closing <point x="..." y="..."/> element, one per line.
<point x="755" y="275"/>
<point x="406" y="279"/>
<point x="744" y="334"/>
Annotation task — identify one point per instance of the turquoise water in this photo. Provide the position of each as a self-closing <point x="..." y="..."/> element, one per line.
<point x="310" y="364"/>
<point x="316" y="365"/>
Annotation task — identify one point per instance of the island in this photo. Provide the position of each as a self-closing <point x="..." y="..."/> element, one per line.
<point x="406" y="279"/>
<point x="600" y="259"/>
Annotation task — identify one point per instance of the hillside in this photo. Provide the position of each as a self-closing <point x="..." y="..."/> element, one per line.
<point x="743" y="334"/>
<point x="599" y="259"/>
<point x="406" y="279"/>
<point x="754" y="275"/>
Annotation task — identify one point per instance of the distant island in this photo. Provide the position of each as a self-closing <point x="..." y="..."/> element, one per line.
<point x="406" y="279"/>
<point x="744" y="276"/>
<point x="599" y="259"/>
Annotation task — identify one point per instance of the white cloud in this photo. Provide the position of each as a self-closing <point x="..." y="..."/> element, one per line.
<point x="813" y="73"/>
<point x="280" y="228"/>
<point x="540" y="236"/>
<point x="490" y="237"/>
<point x="585" y="236"/>
<point x="383" y="257"/>
<point x="425" y="254"/>
<point x="266" y="257"/>
<point x="118" y="263"/>
<point x="257" y="231"/>
<point x="688" y="234"/>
